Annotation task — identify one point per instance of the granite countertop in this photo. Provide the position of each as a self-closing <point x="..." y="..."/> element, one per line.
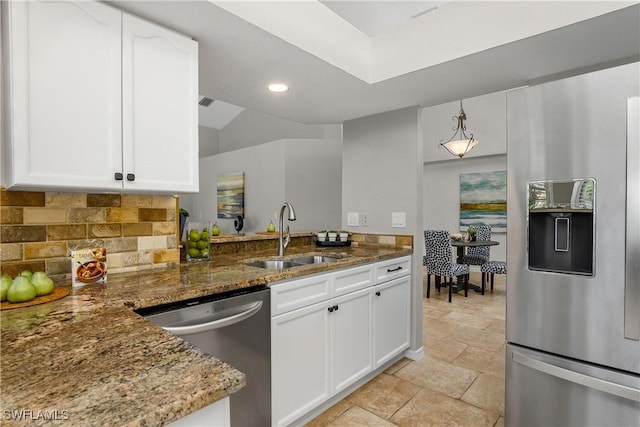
<point x="89" y="359"/>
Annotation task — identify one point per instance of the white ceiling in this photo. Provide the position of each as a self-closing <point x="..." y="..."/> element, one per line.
<point x="338" y="72"/>
<point x="375" y="17"/>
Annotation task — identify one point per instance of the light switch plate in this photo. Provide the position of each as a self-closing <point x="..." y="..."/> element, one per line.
<point x="398" y="219"/>
<point x="353" y="219"/>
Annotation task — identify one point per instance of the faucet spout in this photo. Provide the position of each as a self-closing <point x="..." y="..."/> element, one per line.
<point x="282" y="241"/>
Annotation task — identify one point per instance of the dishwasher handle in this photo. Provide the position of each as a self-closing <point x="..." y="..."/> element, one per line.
<point x="216" y="324"/>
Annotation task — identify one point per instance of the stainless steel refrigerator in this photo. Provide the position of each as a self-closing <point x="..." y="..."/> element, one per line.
<point x="573" y="259"/>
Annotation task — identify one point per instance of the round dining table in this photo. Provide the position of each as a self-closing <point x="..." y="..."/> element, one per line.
<point x="460" y="245"/>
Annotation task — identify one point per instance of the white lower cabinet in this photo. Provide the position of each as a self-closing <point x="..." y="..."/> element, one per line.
<point x="351" y="332"/>
<point x="300" y="352"/>
<point x="391" y="305"/>
<point x="330" y="330"/>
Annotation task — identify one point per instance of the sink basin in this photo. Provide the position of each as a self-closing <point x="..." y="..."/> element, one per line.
<point x="274" y="264"/>
<point x="314" y="259"/>
<point x="296" y="262"/>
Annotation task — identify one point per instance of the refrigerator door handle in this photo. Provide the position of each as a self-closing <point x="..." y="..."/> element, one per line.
<point x="632" y="249"/>
<point x="578" y="378"/>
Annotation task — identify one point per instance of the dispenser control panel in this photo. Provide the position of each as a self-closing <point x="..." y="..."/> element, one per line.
<point x="561" y="226"/>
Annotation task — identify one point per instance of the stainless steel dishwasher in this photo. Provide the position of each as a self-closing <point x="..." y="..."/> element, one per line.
<point x="236" y="328"/>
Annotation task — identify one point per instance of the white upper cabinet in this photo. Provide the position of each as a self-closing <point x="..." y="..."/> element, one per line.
<point x="160" y="108"/>
<point x="69" y="114"/>
<point x="64" y="127"/>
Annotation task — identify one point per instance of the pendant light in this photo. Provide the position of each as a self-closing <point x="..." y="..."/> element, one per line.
<point x="460" y="144"/>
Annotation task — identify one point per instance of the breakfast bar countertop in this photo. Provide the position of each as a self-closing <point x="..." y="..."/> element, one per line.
<point x="89" y="359"/>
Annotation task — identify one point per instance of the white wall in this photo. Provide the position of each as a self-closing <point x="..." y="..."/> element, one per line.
<point x="313" y="178"/>
<point x="381" y="174"/>
<point x="208" y="141"/>
<point x="442" y="195"/>
<point x="275" y="172"/>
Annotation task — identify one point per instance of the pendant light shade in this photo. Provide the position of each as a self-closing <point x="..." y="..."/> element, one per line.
<point x="460" y="143"/>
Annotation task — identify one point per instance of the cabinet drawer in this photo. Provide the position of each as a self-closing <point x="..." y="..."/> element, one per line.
<point x="287" y="296"/>
<point x="397" y="267"/>
<point x="352" y="280"/>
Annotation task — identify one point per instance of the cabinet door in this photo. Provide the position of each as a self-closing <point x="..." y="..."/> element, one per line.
<point x="299" y="362"/>
<point x="352" y="329"/>
<point x="391" y="309"/>
<point x="64" y="77"/>
<point x="160" y="108"/>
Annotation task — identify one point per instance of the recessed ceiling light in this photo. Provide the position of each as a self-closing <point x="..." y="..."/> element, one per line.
<point x="278" y="87"/>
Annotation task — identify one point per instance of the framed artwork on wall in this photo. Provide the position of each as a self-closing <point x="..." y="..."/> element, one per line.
<point x="483" y="200"/>
<point x="231" y="195"/>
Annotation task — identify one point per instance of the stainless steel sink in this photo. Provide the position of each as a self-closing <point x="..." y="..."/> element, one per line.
<point x="274" y="264"/>
<point x="314" y="259"/>
<point x="295" y="262"/>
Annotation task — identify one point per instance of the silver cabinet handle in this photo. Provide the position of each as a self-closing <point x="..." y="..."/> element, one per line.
<point x="215" y="324"/>
<point x="632" y="266"/>
<point x="578" y="378"/>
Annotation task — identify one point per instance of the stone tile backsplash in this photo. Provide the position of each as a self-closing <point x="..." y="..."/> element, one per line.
<point x="39" y="229"/>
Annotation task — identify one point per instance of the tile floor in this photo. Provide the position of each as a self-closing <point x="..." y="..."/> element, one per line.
<point x="459" y="382"/>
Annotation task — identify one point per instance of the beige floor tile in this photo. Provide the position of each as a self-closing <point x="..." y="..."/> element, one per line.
<point x="470" y="320"/>
<point x="436" y="328"/>
<point x="486" y="340"/>
<point x="442" y="348"/>
<point x="486" y="392"/>
<point x="489" y="362"/>
<point x="438" y="375"/>
<point x="358" y="417"/>
<point x="383" y="395"/>
<point x="429" y="408"/>
<point x="328" y="416"/>
<point x="497" y="326"/>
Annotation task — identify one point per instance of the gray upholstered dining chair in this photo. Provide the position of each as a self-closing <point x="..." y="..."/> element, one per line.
<point x="488" y="269"/>
<point x="438" y="260"/>
<point x="481" y="254"/>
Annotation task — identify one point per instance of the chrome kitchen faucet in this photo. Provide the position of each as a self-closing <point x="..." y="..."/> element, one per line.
<point x="283" y="242"/>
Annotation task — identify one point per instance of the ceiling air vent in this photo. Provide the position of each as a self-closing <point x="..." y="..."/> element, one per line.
<point x="205" y="102"/>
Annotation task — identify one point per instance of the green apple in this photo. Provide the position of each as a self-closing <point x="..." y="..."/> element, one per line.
<point x="204" y="236"/>
<point x="26" y="273"/>
<point x="43" y="284"/>
<point x="5" y="283"/>
<point x="271" y="228"/>
<point x="21" y="290"/>
<point x="194" y="235"/>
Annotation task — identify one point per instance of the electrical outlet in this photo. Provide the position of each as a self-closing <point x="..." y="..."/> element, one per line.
<point x="365" y="219"/>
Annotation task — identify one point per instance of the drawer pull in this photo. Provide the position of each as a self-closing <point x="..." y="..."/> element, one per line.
<point x="391" y="270"/>
<point x="117" y="176"/>
<point x="377" y="293"/>
<point x="333" y="308"/>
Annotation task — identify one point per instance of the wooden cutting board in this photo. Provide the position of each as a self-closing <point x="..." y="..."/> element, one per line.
<point x="57" y="294"/>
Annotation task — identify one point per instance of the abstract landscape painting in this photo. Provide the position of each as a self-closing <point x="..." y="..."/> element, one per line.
<point x="483" y="200"/>
<point x="231" y="195"/>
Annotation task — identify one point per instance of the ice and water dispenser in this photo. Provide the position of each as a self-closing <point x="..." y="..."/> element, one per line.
<point x="561" y="224"/>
